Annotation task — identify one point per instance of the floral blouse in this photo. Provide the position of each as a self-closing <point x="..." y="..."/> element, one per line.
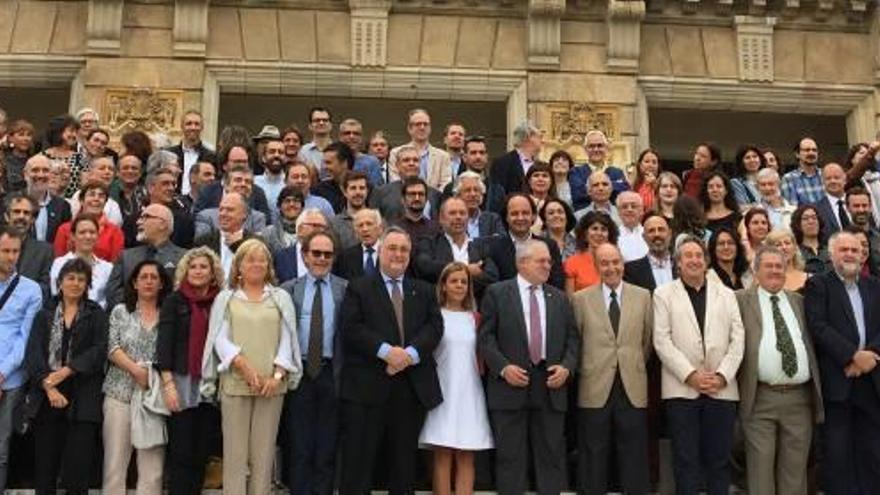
<point x="139" y="343"/>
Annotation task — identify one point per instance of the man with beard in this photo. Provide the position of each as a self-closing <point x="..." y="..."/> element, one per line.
<point x="52" y="210"/>
<point x="858" y="204"/>
<point x="18" y="212"/>
<point x="803" y="185"/>
<point x="161" y="186"/>
<point x="338" y="160"/>
<point x="355" y="189"/>
<point x="475" y="158"/>
<point x="453" y="138"/>
<point x="272" y="179"/>
<point x="388" y="198"/>
<point x="657" y="267"/>
<point x="413" y="220"/>
<point x="840" y="309"/>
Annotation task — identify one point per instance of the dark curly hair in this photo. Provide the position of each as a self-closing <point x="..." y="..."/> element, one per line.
<point x="55" y="129"/>
<point x="740" y="264"/>
<point x="739" y="170"/>
<point x="131" y="295"/>
<point x="75" y="265"/>
<point x="570" y="220"/>
<point x="593" y="217"/>
<point x="797" y="219"/>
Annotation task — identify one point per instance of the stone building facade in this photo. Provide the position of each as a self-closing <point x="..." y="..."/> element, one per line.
<point x="569" y="65"/>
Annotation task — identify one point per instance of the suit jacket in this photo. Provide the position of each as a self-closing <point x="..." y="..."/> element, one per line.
<point x="205" y="155"/>
<point x="604" y="354"/>
<point x="59" y="213"/>
<point x="579" y="177"/>
<point x="184" y="226"/>
<point x="388" y="199"/>
<point x="439" y="169"/>
<point x="211" y="194"/>
<point x="503" y="253"/>
<point x="168" y="255"/>
<point x="507" y="172"/>
<point x="490" y="224"/>
<point x="504" y="339"/>
<point x="88" y="356"/>
<point x="828" y="214"/>
<point x="434" y="253"/>
<point x="638" y="272"/>
<point x="683" y="349"/>
<point x="208" y="221"/>
<point x="832" y="323"/>
<point x="350" y="262"/>
<point x="35" y="262"/>
<point x="750" y="312"/>
<point x="212" y="241"/>
<point x="297" y="290"/>
<point x="368" y="321"/>
<point x="286" y="266"/>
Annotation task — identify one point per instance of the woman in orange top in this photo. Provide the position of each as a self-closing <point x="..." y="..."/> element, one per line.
<point x="593" y="229"/>
<point x="647" y="171"/>
<point x="111" y="240"/>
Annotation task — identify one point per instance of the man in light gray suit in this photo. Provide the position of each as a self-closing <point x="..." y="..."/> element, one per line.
<point x="311" y="412"/>
<point x="529" y="339"/>
<point x="208" y="221"/>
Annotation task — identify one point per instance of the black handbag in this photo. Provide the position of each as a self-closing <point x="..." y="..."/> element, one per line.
<point x="24" y="412"/>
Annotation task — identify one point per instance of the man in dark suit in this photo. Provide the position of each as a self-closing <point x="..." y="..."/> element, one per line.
<point x="191" y="150"/>
<point x="312" y="409"/>
<point x="236" y="159"/>
<point x="520" y="213"/>
<point x="841" y="313"/>
<point x="509" y="169"/>
<point x="389" y="199"/>
<point x="391" y="324"/>
<point x="469" y="186"/>
<point x="529" y="339"/>
<point x="657" y="267"/>
<point x="160" y="190"/>
<point x="19" y="213"/>
<point x="363" y="257"/>
<point x="52" y="210"/>
<point x="289" y="261"/>
<point x="832" y="207"/>
<point x="476" y="161"/>
<point x="454" y="244"/>
<point x="155" y="225"/>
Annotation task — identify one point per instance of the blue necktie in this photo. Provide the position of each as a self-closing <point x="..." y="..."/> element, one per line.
<point x="370" y="265"/>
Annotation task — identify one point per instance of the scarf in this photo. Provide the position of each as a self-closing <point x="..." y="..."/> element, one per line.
<point x="200" y="310"/>
<point x="287" y="225"/>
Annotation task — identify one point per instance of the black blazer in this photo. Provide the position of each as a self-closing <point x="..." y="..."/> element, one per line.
<point x="184" y="226"/>
<point x="638" y="272"/>
<point x="831" y="320"/>
<point x="172" y="341"/>
<point x="503" y="253"/>
<point x="350" y="262"/>
<point x="434" y="253"/>
<point x="507" y="171"/>
<point x="828" y="214"/>
<point x="368" y="321"/>
<point x="59" y="212"/>
<point x="205" y="155"/>
<point x="503" y="340"/>
<point x="88" y="357"/>
<point x="35" y="263"/>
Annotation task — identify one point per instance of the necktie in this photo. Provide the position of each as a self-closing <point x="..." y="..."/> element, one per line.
<point x="369" y="264"/>
<point x="397" y="302"/>
<point x="316" y="333"/>
<point x="841" y="214"/>
<point x="784" y="344"/>
<point x="614" y="312"/>
<point x="535" y="338"/>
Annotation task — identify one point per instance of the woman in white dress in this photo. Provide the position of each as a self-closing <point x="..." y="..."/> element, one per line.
<point x="460" y="425"/>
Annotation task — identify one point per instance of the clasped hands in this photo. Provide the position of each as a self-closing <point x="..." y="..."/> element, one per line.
<point x="518" y="377"/>
<point x="56" y="399"/>
<point x="706" y="382"/>
<point x="397" y="360"/>
<point x="264" y="386"/>
<point x="863" y="361"/>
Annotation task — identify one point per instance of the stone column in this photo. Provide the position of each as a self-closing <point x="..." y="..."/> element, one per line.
<point x="624" y="35"/>
<point x="190" y="28"/>
<point x="104" y="27"/>
<point x="544" y="33"/>
<point x="369" y="32"/>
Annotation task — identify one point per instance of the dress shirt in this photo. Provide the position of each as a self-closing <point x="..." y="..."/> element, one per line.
<point x="41" y="224"/>
<point x="833" y="201"/>
<point x="698" y="302"/>
<point x="858" y="308"/>
<point x="300" y="263"/>
<point x="632" y="243"/>
<point x="661" y="269"/>
<point x="526" y="161"/>
<point x="473" y="225"/>
<point x="15" y="328"/>
<point x="227" y="350"/>
<point x="369" y="165"/>
<point x="329" y="312"/>
<point x="100" y="275"/>
<point x="799" y="188"/>
<point x="310" y="153"/>
<point x="272" y="186"/>
<point x="226" y="255"/>
<point x="374" y="255"/>
<point x="780" y="216"/>
<point x="769" y="358"/>
<point x="525" y="295"/>
<point x="610" y="209"/>
<point x="190" y="158"/>
<point x="459" y="253"/>
<point x="385" y="347"/>
<point x="454" y="163"/>
<point x="606" y="295"/>
<point x="315" y="201"/>
<point x="424" y="160"/>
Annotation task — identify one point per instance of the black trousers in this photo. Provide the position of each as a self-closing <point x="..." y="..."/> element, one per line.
<point x="535" y="432"/>
<point x="311" y="417"/>
<point x="396" y="423"/>
<point x="627" y="426"/>
<point x="63" y="445"/>
<point x="192" y="435"/>
<point x="851" y="442"/>
<point x="701" y="431"/>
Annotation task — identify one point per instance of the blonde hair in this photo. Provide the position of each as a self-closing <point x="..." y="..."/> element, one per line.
<point x="456" y="266"/>
<point x="200" y="252"/>
<point x="776" y="236"/>
<point x="243" y="251"/>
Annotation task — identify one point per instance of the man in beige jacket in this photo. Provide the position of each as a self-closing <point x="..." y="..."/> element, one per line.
<point x="698" y="336"/>
<point x="615" y="320"/>
<point x="434" y="163"/>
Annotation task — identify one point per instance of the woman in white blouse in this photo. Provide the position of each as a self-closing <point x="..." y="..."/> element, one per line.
<point x="84" y="234"/>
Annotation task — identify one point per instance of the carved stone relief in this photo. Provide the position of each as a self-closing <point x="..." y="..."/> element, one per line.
<point x="564" y="126"/>
<point x="149" y="110"/>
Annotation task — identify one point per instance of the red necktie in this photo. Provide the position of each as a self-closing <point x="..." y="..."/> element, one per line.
<point x="535" y="338"/>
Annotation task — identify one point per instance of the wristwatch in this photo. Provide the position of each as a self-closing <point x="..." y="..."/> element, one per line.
<point x="278" y="375"/>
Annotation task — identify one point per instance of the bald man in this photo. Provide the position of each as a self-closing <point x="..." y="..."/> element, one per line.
<point x="630" y="208"/>
<point x="52" y="210"/>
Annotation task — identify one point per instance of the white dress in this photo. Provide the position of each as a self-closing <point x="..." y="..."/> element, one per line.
<point x="461" y="420"/>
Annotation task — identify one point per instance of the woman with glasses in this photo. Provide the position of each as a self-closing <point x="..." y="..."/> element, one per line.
<point x="806" y="225"/>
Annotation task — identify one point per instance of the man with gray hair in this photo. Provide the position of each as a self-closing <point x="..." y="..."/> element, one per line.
<point x="52" y="210"/>
<point x="470" y="188"/>
<point x="362" y="258"/>
<point x="780" y="395"/>
<point x="161" y="185"/>
<point x="596" y="145"/>
<point x="289" y="262"/>
<point x="228" y="228"/>
<point x="510" y="169"/>
<point x="434" y="166"/>
<point x="351" y="132"/>
<point x="475" y="158"/>
<point x="778" y="208"/>
<point x="631" y="240"/>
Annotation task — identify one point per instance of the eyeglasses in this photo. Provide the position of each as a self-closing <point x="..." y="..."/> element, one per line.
<point x="148" y="216"/>
<point x="327" y="255"/>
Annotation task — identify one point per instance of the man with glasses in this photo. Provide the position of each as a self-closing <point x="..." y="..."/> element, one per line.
<point x="312" y="409"/>
<point x="320" y="125"/>
<point x="388" y="199"/>
<point x="434" y="166"/>
<point x="52" y="210"/>
<point x="289" y="262"/>
<point x="161" y="189"/>
<point x="596" y="145"/>
<point x="154" y="227"/>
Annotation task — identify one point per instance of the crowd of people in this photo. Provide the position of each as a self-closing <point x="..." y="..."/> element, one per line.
<point x="354" y="303"/>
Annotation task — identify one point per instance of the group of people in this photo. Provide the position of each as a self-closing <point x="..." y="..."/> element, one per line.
<point x="354" y="303"/>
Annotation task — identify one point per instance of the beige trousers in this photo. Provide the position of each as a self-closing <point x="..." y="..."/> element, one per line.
<point x="117" y="454"/>
<point x="778" y="434"/>
<point x="250" y="425"/>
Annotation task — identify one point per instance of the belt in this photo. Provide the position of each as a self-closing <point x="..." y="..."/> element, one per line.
<point x="324" y="362"/>
<point x="783" y="387"/>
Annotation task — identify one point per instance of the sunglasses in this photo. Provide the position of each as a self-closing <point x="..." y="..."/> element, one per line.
<point x="327" y="255"/>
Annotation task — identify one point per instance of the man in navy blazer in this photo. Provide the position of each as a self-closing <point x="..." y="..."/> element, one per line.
<point x="832" y="207"/>
<point x="289" y="261"/>
<point x="509" y="169"/>
<point x="312" y="409"/>
<point x="842" y="314"/>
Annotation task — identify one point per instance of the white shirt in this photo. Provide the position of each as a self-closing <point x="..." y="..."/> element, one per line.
<point x="100" y="275"/>
<point x="833" y="200"/>
<point x="631" y="243"/>
<point x="769" y="358"/>
<point x="661" y="269"/>
<point x="606" y="295"/>
<point x="525" y="295"/>
<point x="301" y="268"/>
<point x="190" y="157"/>
<point x="459" y="253"/>
<point x="226" y="256"/>
<point x="374" y="255"/>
